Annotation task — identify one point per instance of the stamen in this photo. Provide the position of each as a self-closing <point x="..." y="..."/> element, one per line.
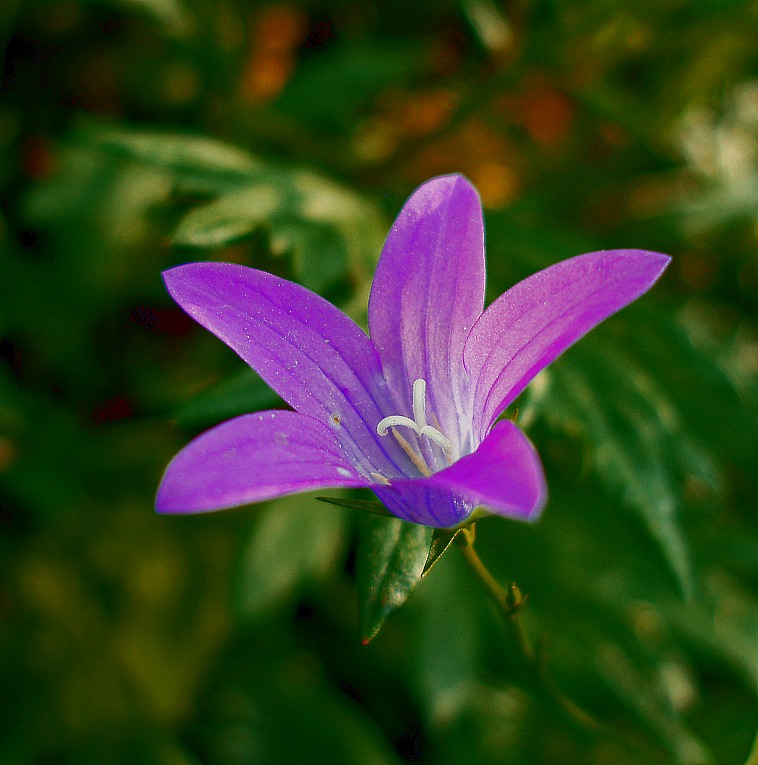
<point x="416" y="458"/>
<point x="379" y="478"/>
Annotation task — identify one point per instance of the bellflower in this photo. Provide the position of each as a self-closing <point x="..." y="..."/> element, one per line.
<point x="410" y="411"/>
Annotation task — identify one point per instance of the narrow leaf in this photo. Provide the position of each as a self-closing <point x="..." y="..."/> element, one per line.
<point x="635" y="437"/>
<point x="180" y="152"/>
<point x="645" y="696"/>
<point x="228" y="218"/>
<point x="294" y="542"/>
<point x="326" y="227"/>
<point x="724" y="623"/>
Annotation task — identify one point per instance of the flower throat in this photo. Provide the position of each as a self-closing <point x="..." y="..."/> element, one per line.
<point x="418" y="425"/>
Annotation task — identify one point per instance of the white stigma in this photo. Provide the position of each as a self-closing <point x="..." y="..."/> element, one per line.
<point x="418" y="424"/>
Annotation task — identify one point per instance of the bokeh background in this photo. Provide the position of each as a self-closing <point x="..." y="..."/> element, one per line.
<point x="138" y="134"/>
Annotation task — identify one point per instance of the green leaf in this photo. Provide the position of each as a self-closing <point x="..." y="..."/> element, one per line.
<point x="391" y="559"/>
<point x="169" y="150"/>
<point x="244" y="392"/>
<point x="295" y="541"/>
<point x="328" y="229"/>
<point x="281" y="712"/>
<point x="724" y="623"/>
<point x="172" y="14"/>
<point x="646" y="696"/>
<point x="331" y="232"/>
<point x="230" y="217"/>
<point x="447" y="641"/>
<point x="636" y="439"/>
<point x="331" y="91"/>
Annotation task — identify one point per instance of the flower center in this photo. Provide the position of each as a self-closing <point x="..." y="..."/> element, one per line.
<point x="418" y="425"/>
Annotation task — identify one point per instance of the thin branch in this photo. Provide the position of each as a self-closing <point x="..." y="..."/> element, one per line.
<point x="509" y="603"/>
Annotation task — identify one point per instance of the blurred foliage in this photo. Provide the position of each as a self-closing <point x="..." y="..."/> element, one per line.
<point x="138" y="135"/>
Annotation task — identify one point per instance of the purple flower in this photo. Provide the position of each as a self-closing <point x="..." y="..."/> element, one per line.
<point x="410" y="412"/>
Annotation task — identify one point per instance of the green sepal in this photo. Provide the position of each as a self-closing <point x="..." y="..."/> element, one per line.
<point x="391" y="558"/>
<point x="441" y="541"/>
<point x="370" y="505"/>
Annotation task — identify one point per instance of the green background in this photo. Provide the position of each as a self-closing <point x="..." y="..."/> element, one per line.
<point x="139" y="134"/>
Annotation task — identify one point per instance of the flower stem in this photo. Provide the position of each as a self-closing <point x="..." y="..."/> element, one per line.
<point x="509" y="603"/>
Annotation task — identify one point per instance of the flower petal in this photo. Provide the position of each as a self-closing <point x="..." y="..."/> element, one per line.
<point x="428" y="291"/>
<point x="314" y="356"/>
<point x="253" y="458"/>
<point x="536" y="320"/>
<point x="424" y="501"/>
<point x="504" y="475"/>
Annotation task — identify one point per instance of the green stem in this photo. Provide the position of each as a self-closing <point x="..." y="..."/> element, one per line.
<point x="509" y="603"/>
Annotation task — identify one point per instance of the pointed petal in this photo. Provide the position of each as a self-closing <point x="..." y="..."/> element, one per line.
<point x="504" y="475"/>
<point x="539" y="318"/>
<point x="253" y="458"/>
<point x="314" y="356"/>
<point x="428" y="291"/>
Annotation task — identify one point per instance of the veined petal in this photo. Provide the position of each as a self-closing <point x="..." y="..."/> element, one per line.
<point x="423" y="501"/>
<point x="504" y="475"/>
<point x="253" y="458"/>
<point x="536" y="320"/>
<point x="313" y="355"/>
<point x="428" y="291"/>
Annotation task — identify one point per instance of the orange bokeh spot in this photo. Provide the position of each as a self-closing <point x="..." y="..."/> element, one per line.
<point x="277" y="31"/>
